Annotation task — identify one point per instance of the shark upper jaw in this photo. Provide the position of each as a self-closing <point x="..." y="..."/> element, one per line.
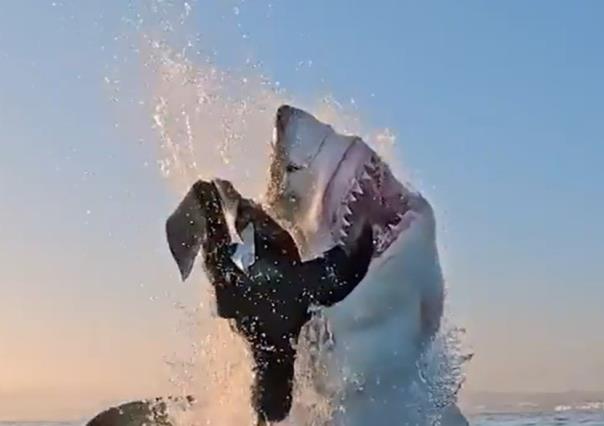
<point x="327" y="185"/>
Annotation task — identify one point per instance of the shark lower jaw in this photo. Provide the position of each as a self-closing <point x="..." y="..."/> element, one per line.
<point x="360" y="190"/>
<point x="370" y="194"/>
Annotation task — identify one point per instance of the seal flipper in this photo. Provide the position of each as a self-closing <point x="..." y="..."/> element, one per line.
<point x="199" y="223"/>
<point x="184" y="231"/>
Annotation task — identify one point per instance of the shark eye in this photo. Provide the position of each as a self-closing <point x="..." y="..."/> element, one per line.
<point x="292" y="167"/>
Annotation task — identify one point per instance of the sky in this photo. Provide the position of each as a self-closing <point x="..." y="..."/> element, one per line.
<point x="498" y="115"/>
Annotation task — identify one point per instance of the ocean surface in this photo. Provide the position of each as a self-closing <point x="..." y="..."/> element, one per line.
<point x="563" y="418"/>
<point x="541" y="419"/>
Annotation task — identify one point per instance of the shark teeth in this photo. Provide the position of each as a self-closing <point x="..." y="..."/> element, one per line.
<point x="365" y="175"/>
<point x="347" y="211"/>
<point x="356" y="188"/>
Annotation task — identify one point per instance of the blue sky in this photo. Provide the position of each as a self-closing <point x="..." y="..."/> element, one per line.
<point x="498" y="112"/>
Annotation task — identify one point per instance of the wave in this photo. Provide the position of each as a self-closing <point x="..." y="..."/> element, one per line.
<point x="585" y="406"/>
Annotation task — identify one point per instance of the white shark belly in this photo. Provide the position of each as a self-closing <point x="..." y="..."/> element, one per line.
<point x="376" y="329"/>
<point x="379" y="332"/>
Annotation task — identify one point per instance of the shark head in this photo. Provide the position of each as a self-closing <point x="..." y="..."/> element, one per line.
<point x="326" y="185"/>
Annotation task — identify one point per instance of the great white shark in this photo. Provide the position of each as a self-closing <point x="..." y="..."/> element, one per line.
<point x="324" y="186"/>
<point x="325" y="190"/>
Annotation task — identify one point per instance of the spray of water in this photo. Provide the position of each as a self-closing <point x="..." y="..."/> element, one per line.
<point x="215" y="122"/>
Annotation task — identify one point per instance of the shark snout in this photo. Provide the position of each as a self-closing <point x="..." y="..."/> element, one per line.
<point x="284" y="113"/>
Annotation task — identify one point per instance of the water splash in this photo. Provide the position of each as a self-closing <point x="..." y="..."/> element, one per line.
<point x="212" y="121"/>
<point x="441" y="370"/>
